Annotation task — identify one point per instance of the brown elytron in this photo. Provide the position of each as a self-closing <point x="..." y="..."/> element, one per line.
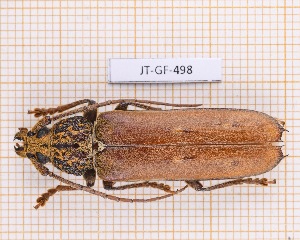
<point x="184" y="144"/>
<point x="196" y="144"/>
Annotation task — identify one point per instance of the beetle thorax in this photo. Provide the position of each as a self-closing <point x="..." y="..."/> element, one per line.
<point x="71" y="145"/>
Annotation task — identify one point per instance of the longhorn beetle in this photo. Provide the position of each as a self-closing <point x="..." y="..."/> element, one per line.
<point x="187" y="144"/>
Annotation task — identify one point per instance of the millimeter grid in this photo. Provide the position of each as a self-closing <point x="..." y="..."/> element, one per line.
<point x="56" y="52"/>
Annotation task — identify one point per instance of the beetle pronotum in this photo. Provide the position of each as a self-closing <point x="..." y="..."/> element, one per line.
<point x="187" y="144"/>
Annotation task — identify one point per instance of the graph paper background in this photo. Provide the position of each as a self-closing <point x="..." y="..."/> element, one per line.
<point x="55" y="52"/>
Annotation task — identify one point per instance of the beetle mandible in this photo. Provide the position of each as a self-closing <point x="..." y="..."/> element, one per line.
<point x="187" y="144"/>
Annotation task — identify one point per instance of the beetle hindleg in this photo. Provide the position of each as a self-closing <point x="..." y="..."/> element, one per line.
<point x="195" y="184"/>
<point x="45" y="111"/>
<point x="108" y="185"/>
<point x="124" y="106"/>
<point x="256" y="181"/>
<point x="280" y="121"/>
<point x="92" y="114"/>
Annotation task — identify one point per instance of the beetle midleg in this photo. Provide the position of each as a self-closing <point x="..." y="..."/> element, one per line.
<point x="124" y="106"/>
<point x="90" y="177"/>
<point x="45" y="111"/>
<point x="256" y="181"/>
<point x="92" y="114"/>
<point x="194" y="184"/>
<point x="108" y="185"/>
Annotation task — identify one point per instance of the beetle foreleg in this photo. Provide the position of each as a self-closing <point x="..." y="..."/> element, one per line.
<point x="39" y="167"/>
<point x="91" y="115"/>
<point x="41" y="201"/>
<point x="256" y="181"/>
<point x="41" y="124"/>
<point x="75" y="186"/>
<point x="109" y="186"/>
<point x="45" y="111"/>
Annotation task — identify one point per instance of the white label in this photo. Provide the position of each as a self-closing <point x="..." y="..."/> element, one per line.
<point x="165" y="70"/>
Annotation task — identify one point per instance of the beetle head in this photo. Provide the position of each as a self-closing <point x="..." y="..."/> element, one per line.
<point x="21" y="136"/>
<point x="33" y="145"/>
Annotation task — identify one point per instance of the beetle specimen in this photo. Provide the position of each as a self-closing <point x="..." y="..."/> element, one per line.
<point x="187" y="144"/>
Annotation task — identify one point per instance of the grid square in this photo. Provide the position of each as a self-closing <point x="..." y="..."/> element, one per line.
<point x="56" y="52"/>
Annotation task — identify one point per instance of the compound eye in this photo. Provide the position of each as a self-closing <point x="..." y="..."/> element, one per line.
<point x="42" y="132"/>
<point x="42" y="158"/>
<point x="30" y="155"/>
<point x="30" y="134"/>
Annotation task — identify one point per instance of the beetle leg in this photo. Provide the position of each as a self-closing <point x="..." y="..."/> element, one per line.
<point x="39" y="166"/>
<point x="73" y="186"/>
<point x="41" y="124"/>
<point x="110" y="102"/>
<point x="195" y="184"/>
<point x="280" y="121"/>
<point x="41" y="201"/>
<point x="256" y="181"/>
<point x="124" y="106"/>
<point x="45" y="111"/>
<point x="90" y="177"/>
<point x="91" y="115"/>
<point x="165" y="104"/>
<point x="109" y="186"/>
